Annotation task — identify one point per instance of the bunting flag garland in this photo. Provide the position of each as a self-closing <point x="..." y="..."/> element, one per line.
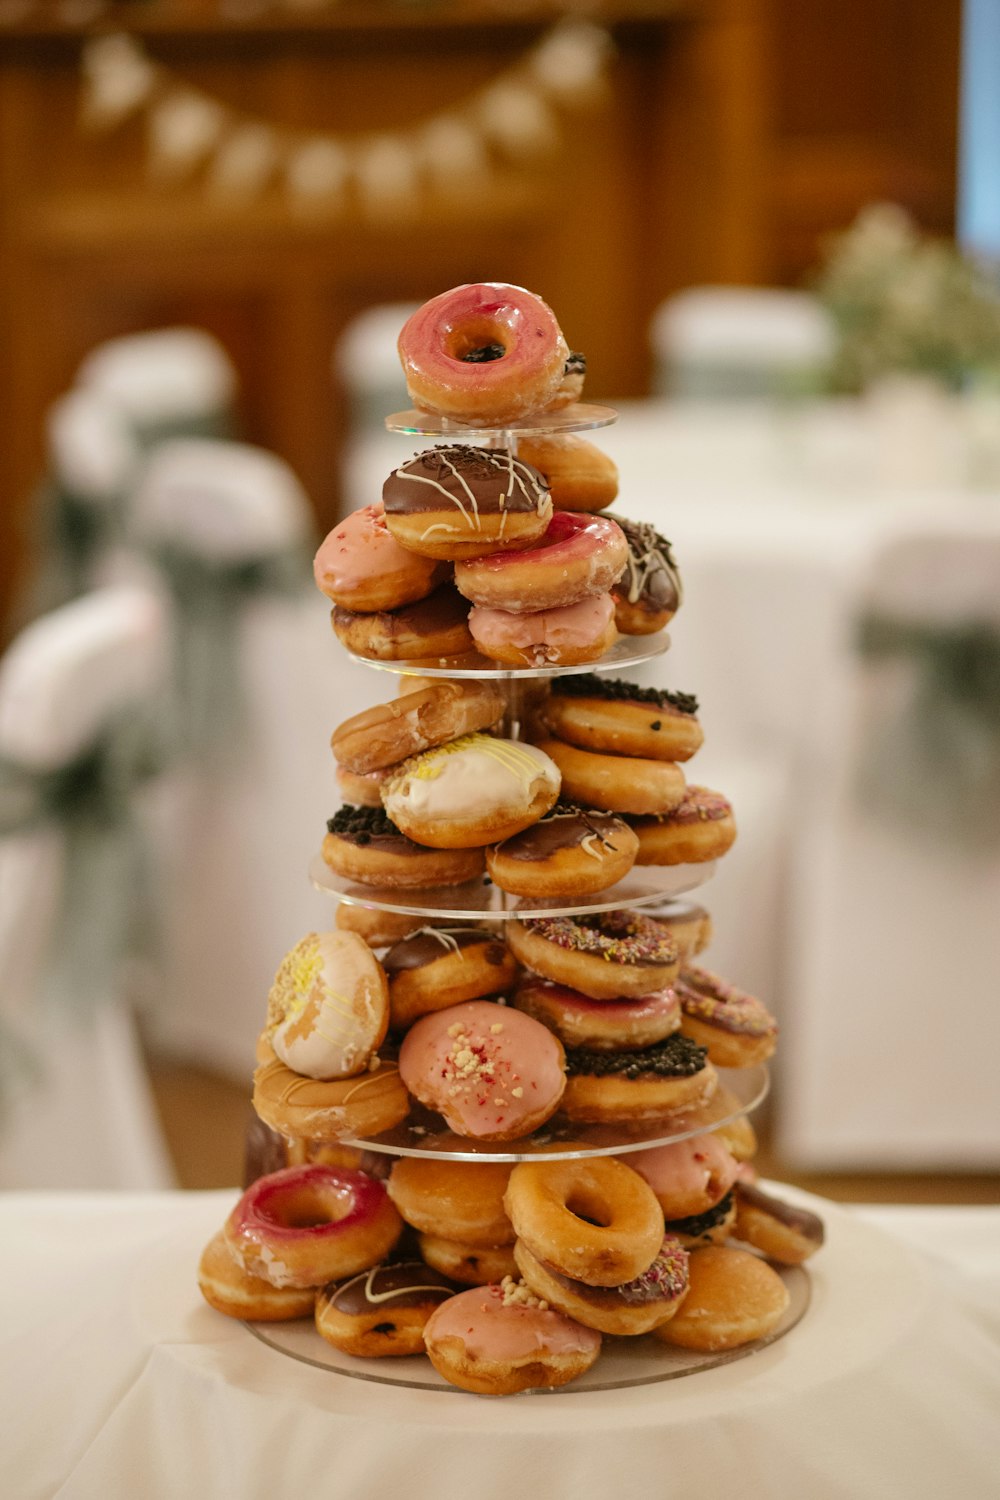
<point x="240" y="155"/>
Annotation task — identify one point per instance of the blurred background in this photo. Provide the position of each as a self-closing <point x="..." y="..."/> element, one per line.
<point x="774" y="230"/>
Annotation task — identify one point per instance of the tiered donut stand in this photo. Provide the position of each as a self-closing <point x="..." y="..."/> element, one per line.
<point x="623" y="1361"/>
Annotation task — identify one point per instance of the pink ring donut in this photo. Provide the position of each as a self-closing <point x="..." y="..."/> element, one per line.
<point x="578" y="555"/>
<point x="599" y="1025"/>
<point x="308" y="1225"/>
<point x="485" y="352"/>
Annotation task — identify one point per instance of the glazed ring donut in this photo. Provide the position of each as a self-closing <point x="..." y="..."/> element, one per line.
<point x="566" y="637"/>
<point x="639" y="1305"/>
<point x="649" y="593"/>
<point x="580" y="477"/>
<point x="309" y="1225"/>
<point x="593" y="1220"/>
<point x="570" y="852"/>
<point x="361" y="566"/>
<point x="777" y="1229"/>
<point x="461" y="1200"/>
<point x="229" y="1289"/>
<point x="433" y="627"/>
<point x="578" y="555"/>
<point x="617" y="783"/>
<point x="328" y="1008"/>
<point x="505" y="1340"/>
<point x="386" y="734"/>
<point x="698" y="827"/>
<point x="608" y="955"/>
<point x="485" y="353"/>
<point x="474" y="791"/>
<point x="610" y="1088"/>
<point x="437" y="967"/>
<point x="688" y="1177"/>
<point x="381" y="1311"/>
<point x="689" y="925"/>
<point x="571" y="386"/>
<point x="600" y="1025"/>
<point x="712" y="1227"/>
<point x="380" y="929"/>
<point x="470" y="1265"/>
<point x="361" y="789"/>
<point x="340" y="1110"/>
<point x="737" y="1029"/>
<point x="362" y="844"/>
<point x="604" y="713"/>
<point x="733" y="1298"/>
<point x="460" y="501"/>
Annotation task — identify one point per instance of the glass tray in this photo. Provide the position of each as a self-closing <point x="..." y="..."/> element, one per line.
<point x="579" y="417"/>
<point x="480" y="898"/>
<point x="627" y="651"/>
<point x="623" y="1362"/>
<point x="425" y="1134"/>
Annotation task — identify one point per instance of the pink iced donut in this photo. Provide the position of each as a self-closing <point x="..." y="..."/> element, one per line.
<point x="564" y="637"/>
<point x="579" y="555"/>
<point x="484" y="353"/>
<point x="493" y="1073"/>
<point x="305" y="1226"/>
<point x="496" y="1340"/>
<point x="688" y="1177"/>
<point x="362" y="567"/>
<point x="599" y="1025"/>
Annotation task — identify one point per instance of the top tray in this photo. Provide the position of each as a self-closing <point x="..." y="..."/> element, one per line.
<point x="580" y="417"/>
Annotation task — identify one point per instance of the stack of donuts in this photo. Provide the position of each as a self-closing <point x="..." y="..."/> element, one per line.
<point x="526" y="1037"/>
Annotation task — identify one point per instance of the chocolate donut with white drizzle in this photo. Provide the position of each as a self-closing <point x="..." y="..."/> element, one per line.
<point x="571" y="851"/>
<point x="460" y="501"/>
<point x="650" y="592"/>
<point x="437" y="967"/>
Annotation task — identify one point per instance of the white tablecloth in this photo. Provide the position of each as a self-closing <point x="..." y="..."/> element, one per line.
<point x="118" y="1381"/>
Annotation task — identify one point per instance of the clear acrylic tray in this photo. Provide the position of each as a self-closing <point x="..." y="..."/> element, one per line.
<point x="627" y="651"/>
<point x="579" y="417"/>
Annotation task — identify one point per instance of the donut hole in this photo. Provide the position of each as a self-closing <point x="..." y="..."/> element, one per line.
<point x="309" y="1209"/>
<point x="587" y="1206"/>
<point x="475" y="336"/>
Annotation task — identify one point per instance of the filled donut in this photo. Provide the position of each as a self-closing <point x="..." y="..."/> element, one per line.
<point x="736" y="1028"/>
<point x="733" y="1298"/>
<point x="327" y="1111"/>
<point x="459" y="1200"/>
<point x="649" y="593"/>
<point x="328" y="1008"/>
<point x="637" y="1306"/>
<point x="570" y="852"/>
<point x="437" y="967"/>
<point x="433" y="627"/>
<point x="601" y="1025"/>
<point x="563" y="637"/>
<point x="361" y="566"/>
<point x="779" y="1230"/>
<point x="460" y="501"/>
<point x="579" y="476"/>
<point x="617" y="783"/>
<point x="473" y="791"/>
<point x="381" y="1311"/>
<point x="610" y="1088"/>
<point x="386" y="734"/>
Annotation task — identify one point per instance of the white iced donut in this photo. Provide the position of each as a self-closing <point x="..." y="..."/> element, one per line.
<point x="328" y="1009"/>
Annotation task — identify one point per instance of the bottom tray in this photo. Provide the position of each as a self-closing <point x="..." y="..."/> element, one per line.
<point x="622" y="1362"/>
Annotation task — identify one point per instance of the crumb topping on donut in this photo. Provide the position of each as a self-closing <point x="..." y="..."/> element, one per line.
<point x="590" y="685"/>
<point x="621" y="937"/>
<point x="708" y="998"/>
<point x="518" y="1294"/>
<point x="477" y="1063"/>
<point x="676" y="1057"/>
<point x="470" y="479"/>
<point x="698" y="1223"/>
<point x="651" y="571"/>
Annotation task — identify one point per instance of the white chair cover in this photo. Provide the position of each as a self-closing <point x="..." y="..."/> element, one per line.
<point x="888" y="1058"/>
<point x="82" y="1117"/>
<point x="171" y="378"/>
<point x="366" y="363"/>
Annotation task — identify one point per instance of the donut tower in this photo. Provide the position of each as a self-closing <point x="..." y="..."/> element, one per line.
<point x="501" y="1112"/>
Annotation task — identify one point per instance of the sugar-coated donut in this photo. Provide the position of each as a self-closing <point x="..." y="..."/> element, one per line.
<point x="737" y="1029"/>
<point x="361" y="566"/>
<point x="498" y="1340"/>
<point x="473" y="791"/>
<point x="460" y="1200"/>
<point x="380" y="929"/>
<point x="689" y="925"/>
<point x="601" y="1025"/>
<point x="314" y="1110"/>
<point x="593" y="1219"/>
<point x="649" y="593"/>
<point x="471" y="1265"/>
<point x="565" y="637"/>
<point x="605" y="713"/>
<point x="698" y="827"/>
<point x="309" y="1225"/>
<point x="635" y="1307"/>
<point x="386" y="734"/>
<point x="229" y="1289"/>
<point x="493" y="1073"/>
<point x="570" y="388"/>
<point x="459" y="502"/>
<point x="485" y="352"/>
<point x="779" y="1230"/>
<point x="577" y="556"/>
<point x="328" y="1008"/>
<point x="572" y="851"/>
<point x="579" y="475"/>
<point x="437" y="967"/>
<point x="688" y="1177"/>
<point x="362" y="788"/>
<point x="712" y="1226"/>
<point x="433" y="627"/>
<point x="608" y="955"/>
<point x="381" y="1311"/>
<point x="733" y="1298"/>
<point x="362" y="844"/>
<point x="617" y="783"/>
<point x="610" y="1088"/>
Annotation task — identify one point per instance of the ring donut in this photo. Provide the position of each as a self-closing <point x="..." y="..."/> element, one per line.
<point x="737" y="1028"/>
<point x="699" y="826"/>
<point x="635" y="1307"/>
<point x="617" y="783"/>
<point x="577" y="556"/>
<point x="607" y="714"/>
<point x="609" y="955"/>
<point x="341" y="1110"/>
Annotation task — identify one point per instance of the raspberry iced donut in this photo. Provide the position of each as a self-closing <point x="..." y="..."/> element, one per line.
<point x="579" y="475"/>
<point x="386" y="734"/>
<point x="485" y="353"/>
<point x="733" y="1298"/>
<point x="608" y="955"/>
<point x="309" y="1225"/>
<point x="493" y="1073"/>
<point x="577" y="556"/>
<point x="737" y="1028"/>
<point x="601" y="1025"/>
<point x="611" y="1088"/>
<point x="328" y="1009"/>
<point x="362" y="844"/>
<point x="563" y="637"/>
<point x="571" y="851"/>
<point x="474" y="791"/>
<point x="498" y="1340"/>
<point x="698" y="827"/>
<point x="637" y="1306"/>
<point x="688" y="1177"/>
<point x="607" y="714"/>
<point x="361" y="566"/>
<point x="461" y="501"/>
<point x="649" y="593"/>
<point x="617" y="783"/>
